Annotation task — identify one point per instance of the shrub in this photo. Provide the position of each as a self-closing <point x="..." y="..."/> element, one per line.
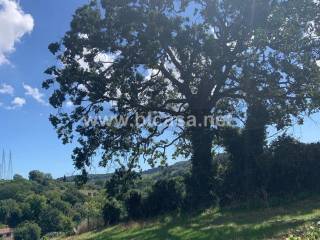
<point x="111" y="212"/>
<point x="10" y="212"/>
<point x="165" y="196"/>
<point x="287" y="166"/>
<point x="291" y="166"/>
<point x="39" y="177"/>
<point x="121" y="182"/>
<point x="73" y="196"/>
<point x="36" y="204"/>
<point x="53" y="220"/>
<point x="133" y="204"/>
<point x="27" y="231"/>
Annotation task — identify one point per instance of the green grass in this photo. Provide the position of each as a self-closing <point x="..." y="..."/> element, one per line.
<point x="229" y="224"/>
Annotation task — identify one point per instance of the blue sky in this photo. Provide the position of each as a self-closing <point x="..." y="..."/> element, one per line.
<point x="25" y="129"/>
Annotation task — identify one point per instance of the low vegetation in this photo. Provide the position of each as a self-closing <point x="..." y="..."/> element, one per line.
<point x="291" y="220"/>
<point x="41" y="205"/>
<point x="44" y="207"/>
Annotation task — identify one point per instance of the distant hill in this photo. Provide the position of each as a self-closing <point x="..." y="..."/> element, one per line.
<point x="176" y="169"/>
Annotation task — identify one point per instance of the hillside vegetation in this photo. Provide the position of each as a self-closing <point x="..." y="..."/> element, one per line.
<point x="176" y="169"/>
<point x="239" y="223"/>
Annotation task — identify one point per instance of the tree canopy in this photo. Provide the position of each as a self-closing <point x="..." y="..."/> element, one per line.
<point x="177" y="58"/>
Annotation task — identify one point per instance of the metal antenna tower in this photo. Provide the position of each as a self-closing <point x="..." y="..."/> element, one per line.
<point x="10" y="167"/>
<point x="2" y="169"/>
<point x="4" y="166"/>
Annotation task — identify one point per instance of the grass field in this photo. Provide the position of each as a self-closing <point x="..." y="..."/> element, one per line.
<point x="228" y="224"/>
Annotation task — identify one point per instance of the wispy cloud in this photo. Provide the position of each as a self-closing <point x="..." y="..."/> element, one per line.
<point x="6" y="89"/>
<point x="35" y="94"/>
<point x="17" y="102"/>
<point x="14" y="23"/>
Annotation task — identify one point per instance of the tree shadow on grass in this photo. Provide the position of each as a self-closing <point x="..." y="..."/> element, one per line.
<point x="220" y="225"/>
<point x="244" y="216"/>
<point x="174" y="232"/>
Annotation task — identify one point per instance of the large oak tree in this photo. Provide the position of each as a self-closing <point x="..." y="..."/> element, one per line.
<point x="179" y="58"/>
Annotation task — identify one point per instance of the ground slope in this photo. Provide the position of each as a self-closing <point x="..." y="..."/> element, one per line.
<point x="240" y="224"/>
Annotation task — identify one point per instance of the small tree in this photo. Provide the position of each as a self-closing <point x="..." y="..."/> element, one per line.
<point x="165" y="196"/>
<point x="27" y="231"/>
<point x="134" y="205"/>
<point x="37" y="204"/>
<point x="73" y="196"/>
<point x="93" y="208"/>
<point x="111" y="212"/>
<point x="10" y="212"/>
<point x="18" y="177"/>
<point x="40" y="177"/>
<point x="53" y="220"/>
<point x="121" y="181"/>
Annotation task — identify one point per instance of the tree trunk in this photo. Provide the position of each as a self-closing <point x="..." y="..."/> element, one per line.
<point x="202" y="174"/>
<point x="254" y="142"/>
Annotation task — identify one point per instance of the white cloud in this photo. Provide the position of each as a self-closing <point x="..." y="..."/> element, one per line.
<point x="17" y="102"/>
<point x="35" y="94"/>
<point x="14" y="23"/>
<point x="106" y="59"/>
<point x="6" y="89"/>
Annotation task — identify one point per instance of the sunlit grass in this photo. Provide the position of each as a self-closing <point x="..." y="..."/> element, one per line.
<point x="267" y="223"/>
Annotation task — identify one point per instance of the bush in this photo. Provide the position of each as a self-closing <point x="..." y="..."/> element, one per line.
<point x="121" y="182"/>
<point x="73" y="196"/>
<point x="287" y="166"/>
<point x="27" y="231"/>
<point x="37" y="204"/>
<point x="10" y="212"/>
<point x="165" y="196"/>
<point x="53" y="220"/>
<point x="291" y="166"/>
<point x="133" y="204"/>
<point x="111" y="212"/>
<point x="39" y="177"/>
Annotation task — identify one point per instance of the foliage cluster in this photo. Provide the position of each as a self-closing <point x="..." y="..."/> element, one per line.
<point x="27" y="231"/>
<point x="40" y="205"/>
<point x="286" y="166"/>
<point x="162" y="196"/>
